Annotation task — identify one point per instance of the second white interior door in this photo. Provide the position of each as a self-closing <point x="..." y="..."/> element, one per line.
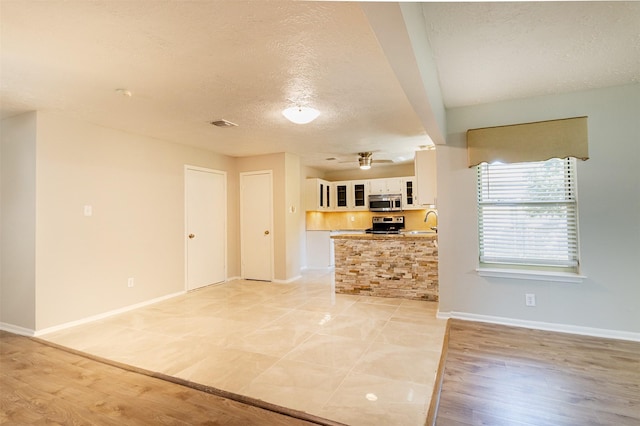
<point x="256" y="225"/>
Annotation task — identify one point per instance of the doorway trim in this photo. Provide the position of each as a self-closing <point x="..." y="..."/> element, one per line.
<point x="185" y="228"/>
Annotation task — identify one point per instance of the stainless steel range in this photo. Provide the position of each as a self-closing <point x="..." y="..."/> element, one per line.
<point x="386" y="225"/>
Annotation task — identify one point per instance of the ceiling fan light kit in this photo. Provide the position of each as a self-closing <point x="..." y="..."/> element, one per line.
<point x="223" y="123"/>
<point x="364" y="160"/>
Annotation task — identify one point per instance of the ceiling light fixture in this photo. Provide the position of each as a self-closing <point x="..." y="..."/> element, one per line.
<point x="364" y="160"/>
<point x="301" y="115"/>
<point x="124" y="92"/>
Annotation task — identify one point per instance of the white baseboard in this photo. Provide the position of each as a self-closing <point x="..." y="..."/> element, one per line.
<point x="105" y="314"/>
<point x="297" y="277"/>
<point x="233" y="279"/>
<point x="547" y="326"/>
<point x="16" y="329"/>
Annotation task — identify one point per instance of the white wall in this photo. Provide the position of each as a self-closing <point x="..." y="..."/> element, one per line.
<point x="609" y="219"/>
<point x="18" y="223"/>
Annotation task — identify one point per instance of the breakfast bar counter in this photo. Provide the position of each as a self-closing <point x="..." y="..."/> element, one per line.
<point x="401" y="265"/>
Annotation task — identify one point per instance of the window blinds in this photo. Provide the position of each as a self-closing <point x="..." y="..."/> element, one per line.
<point x="527" y="213"/>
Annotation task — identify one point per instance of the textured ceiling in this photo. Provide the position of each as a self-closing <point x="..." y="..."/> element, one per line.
<point x="487" y="52"/>
<point x="188" y="63"/>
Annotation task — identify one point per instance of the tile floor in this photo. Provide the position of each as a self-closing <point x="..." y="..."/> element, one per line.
<point x="354" y="359"/>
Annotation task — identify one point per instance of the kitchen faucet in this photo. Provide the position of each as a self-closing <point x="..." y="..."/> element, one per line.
<point x="426" y="217"/>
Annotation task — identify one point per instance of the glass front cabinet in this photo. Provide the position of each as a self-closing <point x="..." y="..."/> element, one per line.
<point x="318" y="195"/>
<point x="342" y="195"/>
<point x="360" y="195"/>
<point x="351" y="195"/>
<point x="409" y="193"/>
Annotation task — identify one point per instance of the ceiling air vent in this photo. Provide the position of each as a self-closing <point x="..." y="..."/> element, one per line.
<point x="223" y="123"/>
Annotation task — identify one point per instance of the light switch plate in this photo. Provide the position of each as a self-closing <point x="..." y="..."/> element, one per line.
<point x="530" y="299"/>
<point x="88" y="210"/>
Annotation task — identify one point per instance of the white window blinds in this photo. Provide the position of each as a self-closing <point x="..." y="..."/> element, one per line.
<point x="527" y="213"/>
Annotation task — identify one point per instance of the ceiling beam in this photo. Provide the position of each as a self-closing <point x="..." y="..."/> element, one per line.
<point x="400" y="30"/>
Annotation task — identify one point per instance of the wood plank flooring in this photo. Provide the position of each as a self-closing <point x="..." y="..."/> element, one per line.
<point x="498" y="375"/>
<point x="494" y="375"/>
<point x="41" y="384"/>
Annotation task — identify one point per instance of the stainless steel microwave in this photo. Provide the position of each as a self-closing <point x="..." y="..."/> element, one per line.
<point x="385" y="202"/>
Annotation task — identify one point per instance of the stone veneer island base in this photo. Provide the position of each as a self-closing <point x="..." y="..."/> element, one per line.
<point x="404" y="265"/>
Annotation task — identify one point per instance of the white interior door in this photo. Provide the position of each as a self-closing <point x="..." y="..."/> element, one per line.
<point x="256" y="225"/>
<point x="206" y="236"/>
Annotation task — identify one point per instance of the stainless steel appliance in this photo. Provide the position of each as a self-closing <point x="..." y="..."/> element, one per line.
<point x="386" y="225"/>
<point x="385" y="202"/>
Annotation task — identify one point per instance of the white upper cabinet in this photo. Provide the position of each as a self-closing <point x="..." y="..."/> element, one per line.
<point x="409" y="200"/>
<point x="386" y="186"/>
<point x="425" y="165"/>
<point x="318" y="194"/>
<point x="342" y="191"/>
<point x="351" y="195"/>
<point x="360" y="195"/>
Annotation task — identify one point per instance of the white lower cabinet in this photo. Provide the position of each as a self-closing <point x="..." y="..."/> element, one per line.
<point x="319" y="249"/>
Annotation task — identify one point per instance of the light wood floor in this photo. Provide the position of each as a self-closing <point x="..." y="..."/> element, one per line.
<point x="494" y="375"/>
<point x="40" y="384"/>
<point x="497" y="375"/>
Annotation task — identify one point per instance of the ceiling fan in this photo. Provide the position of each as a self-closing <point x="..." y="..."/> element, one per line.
<point x="365" y="159"/>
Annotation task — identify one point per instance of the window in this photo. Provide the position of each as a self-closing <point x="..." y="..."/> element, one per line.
<point x="527" y="215"/>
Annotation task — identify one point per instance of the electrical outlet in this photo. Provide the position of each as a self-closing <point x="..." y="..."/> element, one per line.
<point x="530" y="299"/>
<point x="130" y="282"/>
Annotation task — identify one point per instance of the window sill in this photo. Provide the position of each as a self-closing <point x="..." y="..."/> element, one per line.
<point x="530" y="274"/>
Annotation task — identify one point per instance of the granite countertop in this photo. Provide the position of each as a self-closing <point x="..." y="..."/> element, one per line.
<point x="402" y="236"/>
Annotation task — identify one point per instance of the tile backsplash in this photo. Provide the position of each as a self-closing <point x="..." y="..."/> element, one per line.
<point x="361" y="220"/>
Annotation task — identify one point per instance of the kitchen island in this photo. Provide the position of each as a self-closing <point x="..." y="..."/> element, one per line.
<point x="396" y="265"/>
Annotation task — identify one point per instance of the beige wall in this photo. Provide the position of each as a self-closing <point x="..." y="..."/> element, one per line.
<point x="135" y="186"/>
<point x="294" y="213"/>
<point x="18" y="221"/>
<point x="286" y="193"/>
<point x="76" y="266"/>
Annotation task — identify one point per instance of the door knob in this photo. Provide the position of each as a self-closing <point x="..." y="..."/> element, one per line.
<point x="191" y="236"/>
<point x="266" y="232"/>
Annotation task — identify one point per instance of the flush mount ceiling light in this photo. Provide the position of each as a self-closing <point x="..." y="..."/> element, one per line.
<point x="364" y="160"/>
<point x="301" y="115"/>
<point x="124" y="92"/>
